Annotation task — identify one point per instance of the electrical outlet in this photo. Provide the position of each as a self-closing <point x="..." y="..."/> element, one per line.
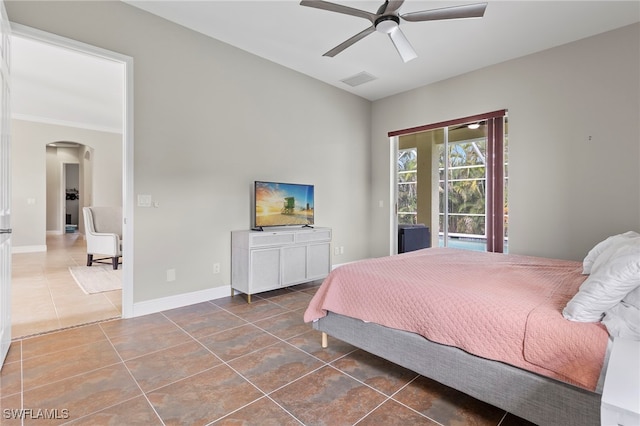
<point x="216" y="268"/>
<point x="171" y="275"/>
<point x="341" y="249"/>
<point x="336" y="250"/>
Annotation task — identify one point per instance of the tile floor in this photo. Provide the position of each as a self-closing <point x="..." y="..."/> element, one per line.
<point x="44" y="296"/>
<point x="221" y="362"/>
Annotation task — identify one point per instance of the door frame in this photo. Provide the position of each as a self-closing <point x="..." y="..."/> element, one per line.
<point x="5" y="184"/>
<point x="393" y="155"/>
<point x="393" y="195"/>
<point x="127" y="145"/>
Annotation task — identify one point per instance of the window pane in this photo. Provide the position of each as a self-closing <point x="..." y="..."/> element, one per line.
<point x="407" y="186"/>
<point x="466" y="191"/>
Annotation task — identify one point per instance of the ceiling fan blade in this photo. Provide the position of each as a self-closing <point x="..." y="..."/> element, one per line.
<point x="402" y="45"/>
<point x="389" y="7"/>
<point x="332" y="7"/>
<point x="339" y="48"/>
<point x="454" y="12"/>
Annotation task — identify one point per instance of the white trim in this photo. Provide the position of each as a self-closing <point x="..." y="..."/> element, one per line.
<point x="127" y="144"/>
<point x="394" y="142"/>
<point x="44" y="120"/>
<point x="28" y="249"/>
<point x="66" y="43"/>
<point x="56" y="232"/>
<point x="180" y="300"/>
<point x="128" y="190"/>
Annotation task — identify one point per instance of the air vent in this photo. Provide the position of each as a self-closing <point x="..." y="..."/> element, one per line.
<point x="358" y="79"/>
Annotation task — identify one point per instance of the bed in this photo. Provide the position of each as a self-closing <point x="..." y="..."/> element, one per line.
<point x="415" y="309"/>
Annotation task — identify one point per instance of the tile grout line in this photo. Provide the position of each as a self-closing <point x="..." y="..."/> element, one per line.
<point x="132" y="378"/>
<point x="63" y="251"/>
<point x="226" y="363"/>
<point x="223" y="362"/>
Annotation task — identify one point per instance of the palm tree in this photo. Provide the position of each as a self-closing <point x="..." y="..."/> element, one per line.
<point x="407" y="186"/>
<point x="466" y="187"/>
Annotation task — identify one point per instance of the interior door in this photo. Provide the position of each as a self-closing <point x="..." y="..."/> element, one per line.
<point x="5" y="189"/>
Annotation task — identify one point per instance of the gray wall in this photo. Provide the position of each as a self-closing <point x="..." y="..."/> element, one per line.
<point x="209" y="120"/>
<point x="566" y="192"/>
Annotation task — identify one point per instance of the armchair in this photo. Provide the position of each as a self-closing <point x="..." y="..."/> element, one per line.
<point x="103" y="232"/>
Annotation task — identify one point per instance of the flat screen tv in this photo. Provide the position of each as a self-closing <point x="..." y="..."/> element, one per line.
<point x="282" y="204"/>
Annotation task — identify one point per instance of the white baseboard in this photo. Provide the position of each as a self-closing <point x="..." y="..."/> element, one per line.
<point x="55" y="232"/>
<point x="180" y="300"/>
<point x="30" y="249"/>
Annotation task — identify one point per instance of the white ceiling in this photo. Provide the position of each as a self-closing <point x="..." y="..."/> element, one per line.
<point x="296" y="36"/>
<point x="62" y="86"/>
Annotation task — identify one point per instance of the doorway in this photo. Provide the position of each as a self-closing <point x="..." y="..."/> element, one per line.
<point x="71" y="176"/>
<point x="452" y="177"/>
<point x="60" y="241"/>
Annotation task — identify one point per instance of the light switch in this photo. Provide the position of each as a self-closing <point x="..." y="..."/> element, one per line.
<point x="144" y="200"/>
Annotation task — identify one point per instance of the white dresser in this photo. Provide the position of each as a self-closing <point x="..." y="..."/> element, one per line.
<point x="267" y="260"/>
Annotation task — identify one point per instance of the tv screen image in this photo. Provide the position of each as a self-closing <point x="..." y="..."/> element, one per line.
<point x="283" y="204"/>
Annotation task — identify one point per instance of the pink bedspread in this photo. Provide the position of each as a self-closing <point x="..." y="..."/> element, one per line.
<point x="506" y="308"/>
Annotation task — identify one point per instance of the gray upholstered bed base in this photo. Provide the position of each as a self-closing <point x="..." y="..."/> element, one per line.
<point x="541" y="400"/>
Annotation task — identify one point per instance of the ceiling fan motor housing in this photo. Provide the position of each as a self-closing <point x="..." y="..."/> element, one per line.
<point x="387" y="23"/>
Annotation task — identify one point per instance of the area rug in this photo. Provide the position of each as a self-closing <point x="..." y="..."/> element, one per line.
<point x="97" y="278"/>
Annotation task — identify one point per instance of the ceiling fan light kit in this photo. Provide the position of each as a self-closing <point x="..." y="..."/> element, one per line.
<point x="387" y="24"/>
<point x="387" y="20"/>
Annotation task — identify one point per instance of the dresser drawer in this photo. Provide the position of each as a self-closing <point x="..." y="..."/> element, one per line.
<point x="315" y="235"/>
<point x="271" y="238"/>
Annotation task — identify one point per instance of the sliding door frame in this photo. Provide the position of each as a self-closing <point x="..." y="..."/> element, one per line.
<point x="495" y="174"/>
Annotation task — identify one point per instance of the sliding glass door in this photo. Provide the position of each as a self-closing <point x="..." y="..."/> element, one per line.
<point x="453" y="177"/>
<point x="462" y="189"/>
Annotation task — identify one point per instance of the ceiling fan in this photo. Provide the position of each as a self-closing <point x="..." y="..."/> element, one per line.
<point x="387" y="20"/>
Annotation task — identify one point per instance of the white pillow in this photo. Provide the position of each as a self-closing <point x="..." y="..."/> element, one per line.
<point x="595" y="252"/>
<point x="623" y="320"/>
<point x="633" y="298"/>
<point x="614" y="275"/>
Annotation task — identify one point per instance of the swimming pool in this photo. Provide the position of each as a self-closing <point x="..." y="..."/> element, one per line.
<point x="475" y="244"/>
